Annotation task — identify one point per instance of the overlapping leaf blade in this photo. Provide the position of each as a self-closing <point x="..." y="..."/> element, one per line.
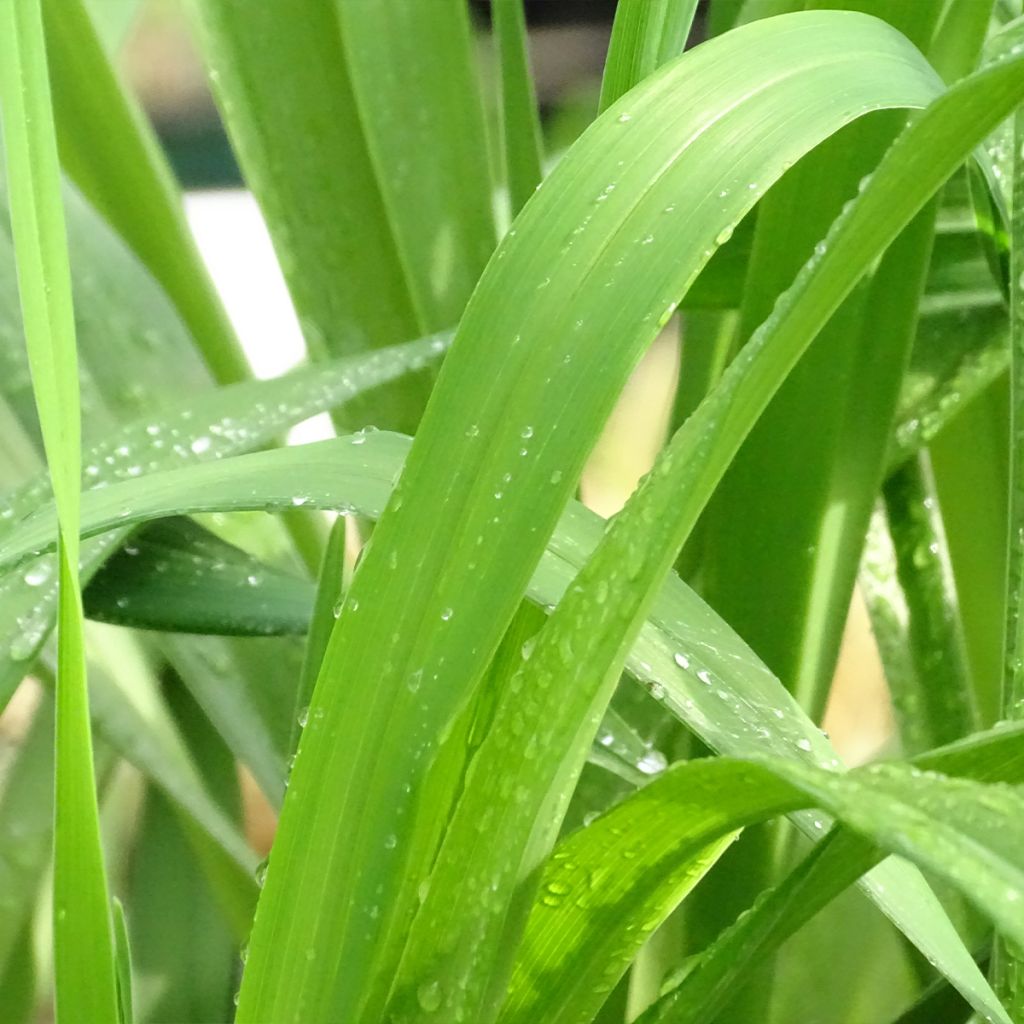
<point x="83" y="940"/>
<point x="527" y="308"/>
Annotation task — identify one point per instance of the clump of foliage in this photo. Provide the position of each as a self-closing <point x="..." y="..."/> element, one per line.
<point x="513" y="745"/>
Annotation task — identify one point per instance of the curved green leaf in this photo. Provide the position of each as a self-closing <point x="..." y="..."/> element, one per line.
<point x="608" y="886"/>
<point x="213" y="425"/>
<point x="835" y="863"/>
<point x="586" y="638"/>
<point x="584" y="264"/>
<point x="179" y="577"/>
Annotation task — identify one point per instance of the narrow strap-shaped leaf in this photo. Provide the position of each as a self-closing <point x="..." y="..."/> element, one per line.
<point x="330" y="592"/>
<point x="26" y="826"/>
<point x="214" y="425"/>
<point x="645" y="35"/>
<point x="110" y="152"/>
<point x="1008" y="957"/>
<point x="282" y="79"/>
<point x="835" y="863"/>
<point x="543" y="299"/>
<point x="413" y="64"/>
<point x="610" y="885"/>
<point x="122" y="947"/>
<point x="591" y="630"/>
<point x="915" y="614"/>
<point x="519" y="120"/>
<point x="157" y="582"/>
<point x="84" y="955"/>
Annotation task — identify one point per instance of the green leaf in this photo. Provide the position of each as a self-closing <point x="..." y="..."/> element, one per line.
<point x="833" y="864"/>
<point x="646" y="34"/>
<point x="520" y="122"/>
<point x="26" y="827"/>
<point x="413" y="65"/>
<point x="610" y="885"/>
<point x="84" y="956"/>
<point x="1008" y="956"/>
<point x="18" y="981"/>
<point x="213" y="425"/>
<point x="122" y="948"/>
<point x="330" y="591"/>
<point x="907" y="581"/>
<point x="502" y="392"/>
<point x="287" y="92"/>
<point x="177" y="576"/>
<point x="130" y="716"/>
<point x="111" y="153"/>
<point x="185" y="954"/>
<point x="824" y="435"/>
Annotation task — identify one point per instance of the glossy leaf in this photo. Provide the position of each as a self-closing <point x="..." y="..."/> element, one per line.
<point x="611" y="884"/>
<point x="520" y="122"/>
<point x="110" y="151"/>
<point x="83" y="942"/>
<point x="522" y="323"/>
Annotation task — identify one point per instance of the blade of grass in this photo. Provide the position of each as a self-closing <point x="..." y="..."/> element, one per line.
<point x="645" y="35"/>
<point x="970" y="462"/>
<point x="1008" y="955"/>
<point x="315" y="178"/>
<point x="595" y="624"/>
<point x="413" y="65"/>
<point x="207" y="427"/>
<point x="610" y="885"/>
<point x="178" y="577"/>
<point x="831" y="866"/>
<point x="825" y="433"/>
<point x="330" y="592"/>
<point x="110" y="152"/>
<point x="178" y="935"/>
<point x="520" y="122"/>
<point x="18" y="981"/>
<point x="26" y="828"/>
<point x="123" y="952"/>
<point x="401" y="624"/>
<point x="84" y="957"/>
<point x="914" y="593"/>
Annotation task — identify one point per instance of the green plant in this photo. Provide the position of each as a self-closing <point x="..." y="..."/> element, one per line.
<point x="458" y="729"/>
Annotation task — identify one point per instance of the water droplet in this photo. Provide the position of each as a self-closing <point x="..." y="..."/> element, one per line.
<point x="652" y="762"/>
<point x="804" y="744"/>
<point x="624" y="117"/>
<point x="39" y="573"/>
<point x="200" y="445"/>
<point x="681" y="660"/>
<point x="428" y="995"/>
<point x="724" y="235"/>
<point x="526" y="433"/>
<point x="304" y="717"/>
